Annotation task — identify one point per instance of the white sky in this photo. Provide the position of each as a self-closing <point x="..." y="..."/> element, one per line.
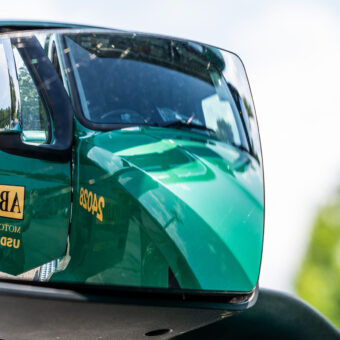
<point x="291" y="50"/>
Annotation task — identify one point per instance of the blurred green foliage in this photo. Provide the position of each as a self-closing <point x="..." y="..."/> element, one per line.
<point x="318" y="281"/>
<point x="248" y="107"/>
<point x="5" y="115"/>
<point x="32" y="113"/>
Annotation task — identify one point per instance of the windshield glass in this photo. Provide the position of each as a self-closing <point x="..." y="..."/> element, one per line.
<point x="128" y="79"/>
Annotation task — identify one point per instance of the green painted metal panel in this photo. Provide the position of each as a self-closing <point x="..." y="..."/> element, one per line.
<point x="40" y="232"/>
<point x="173" y="200"/>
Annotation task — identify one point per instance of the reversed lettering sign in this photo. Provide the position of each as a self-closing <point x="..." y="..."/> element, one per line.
<point x="10" y="228"/>
<point x="10" y="242"/>
<point x="12" y="200"/>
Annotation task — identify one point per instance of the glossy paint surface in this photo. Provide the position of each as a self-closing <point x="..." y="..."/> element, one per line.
<point x="176" y="203"/>
<point x="151" y="206"/>
<point x="41" y="235"/>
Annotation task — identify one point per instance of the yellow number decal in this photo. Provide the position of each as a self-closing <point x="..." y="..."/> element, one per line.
<point x="86" y="194"/>
<point x="95" y="204"/>
<point x="101" y="205"/>
<point x="81" y="197"/>
<point x="88" y="200"/>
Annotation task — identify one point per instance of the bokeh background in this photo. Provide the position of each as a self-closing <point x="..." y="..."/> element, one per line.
<point x="291" y="50"/>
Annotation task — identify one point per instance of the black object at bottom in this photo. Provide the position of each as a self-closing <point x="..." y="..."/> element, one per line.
<point x="40" y="316"/>
<point x="276" y="316"/>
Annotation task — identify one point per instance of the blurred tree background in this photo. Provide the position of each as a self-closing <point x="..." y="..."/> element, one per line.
<point x="318" y="281"/>
<point x="32" y="113"/>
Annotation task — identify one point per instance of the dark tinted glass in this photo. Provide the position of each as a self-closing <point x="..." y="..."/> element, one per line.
<point x="139" y="80"/>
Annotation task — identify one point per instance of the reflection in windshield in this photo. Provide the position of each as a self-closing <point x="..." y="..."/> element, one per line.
<point x="154" y="81"/>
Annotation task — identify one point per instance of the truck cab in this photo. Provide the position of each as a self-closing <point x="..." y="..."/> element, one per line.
<point x="128" y="159"/>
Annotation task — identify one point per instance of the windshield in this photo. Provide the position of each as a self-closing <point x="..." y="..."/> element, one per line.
<point x="139" y="80"/>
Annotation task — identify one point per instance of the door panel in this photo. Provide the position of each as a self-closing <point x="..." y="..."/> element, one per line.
<point x="35" y="193"/>
<point x="41" y="234"/>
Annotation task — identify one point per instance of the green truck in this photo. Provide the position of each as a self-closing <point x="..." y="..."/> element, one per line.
<point x="128" y="159"/>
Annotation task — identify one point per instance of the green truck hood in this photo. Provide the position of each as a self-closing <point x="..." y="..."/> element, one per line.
<point x="207" y="196"/>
